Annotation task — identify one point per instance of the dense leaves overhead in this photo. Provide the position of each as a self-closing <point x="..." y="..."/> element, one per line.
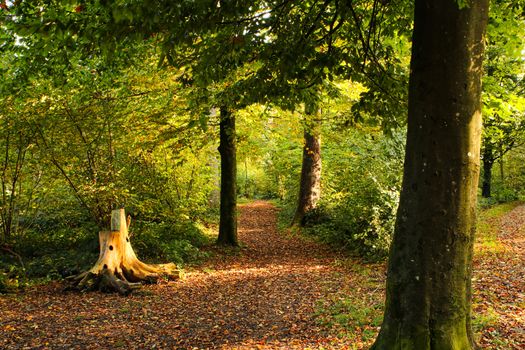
<point x="240" y="52"/>
<point x="115" y="103"/>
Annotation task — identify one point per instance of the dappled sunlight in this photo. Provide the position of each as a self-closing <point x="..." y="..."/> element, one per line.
<point x="268" y="295"/>
<point x="499" y="262"/>
<point x="238" y="302"/>
<point x="266" y="270"/>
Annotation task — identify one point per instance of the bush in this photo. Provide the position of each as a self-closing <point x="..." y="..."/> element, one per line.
<point x="360" y="193"/>
<point x="9" y="281"/>
<point x="169" y="241"/>
<point x="59" y="252"/>
<point x="362" y="222"/>
<point x="503" y="195"/>
<point x="66" y="251"/>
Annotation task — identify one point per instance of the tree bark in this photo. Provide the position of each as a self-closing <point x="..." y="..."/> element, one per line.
<point x="429" y="270"/>
<point x="310" y="183"/>
<point x="488" y="163"/>
<point x="118" y="269"/>
<point x="228" y="207"/>
<point x="501" y="167"/>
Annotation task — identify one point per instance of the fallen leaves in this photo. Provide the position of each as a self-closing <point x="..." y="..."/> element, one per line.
<point x="277" y="292"/>
<point x="264" y="295"/>
<point x="499" y="286"/>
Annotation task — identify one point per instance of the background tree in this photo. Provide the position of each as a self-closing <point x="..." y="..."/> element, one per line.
<point x="310" y="182"/>
<point x="503" y="102"/>
<point x="228" y="209"/>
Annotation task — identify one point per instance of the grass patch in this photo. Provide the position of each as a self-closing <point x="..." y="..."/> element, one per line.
<point x="355" y="313"/>
<point x="489" y="318"/>
<point x="488" y="226"/>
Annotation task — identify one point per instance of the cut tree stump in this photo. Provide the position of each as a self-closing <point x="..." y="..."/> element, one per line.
<point x="118" y="269"/>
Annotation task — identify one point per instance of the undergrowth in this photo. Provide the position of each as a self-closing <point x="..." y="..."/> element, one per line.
<point x="356" y="311"/>
<point x="488" y="225"/>
<point x="36" y="257"/>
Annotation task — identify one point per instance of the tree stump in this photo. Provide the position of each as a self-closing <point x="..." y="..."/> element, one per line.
<point x="118" y="269"/>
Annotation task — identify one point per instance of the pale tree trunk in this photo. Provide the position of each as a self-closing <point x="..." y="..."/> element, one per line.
<point x="118" y="269"/>
<point x="228" y="152"/>
<point x="488" y="163"/>
<point x="429" y="270"/>
<point x="501" y="167"/>
<point x="310" y="183"/>
<point x="214" y="197"/>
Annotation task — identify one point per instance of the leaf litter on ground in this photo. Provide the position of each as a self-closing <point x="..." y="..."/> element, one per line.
<point x="279" y="291"/>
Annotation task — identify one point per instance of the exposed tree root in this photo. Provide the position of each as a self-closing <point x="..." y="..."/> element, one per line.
<point x="118" y="269"/>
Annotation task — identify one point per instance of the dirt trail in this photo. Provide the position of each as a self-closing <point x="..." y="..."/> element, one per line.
<point x="263" y="297"/>
<point x="499" y="285"/>
<point x="266" y="296"/>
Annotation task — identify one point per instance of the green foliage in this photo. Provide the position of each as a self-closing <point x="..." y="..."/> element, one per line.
<point x="514" y="168"/>
<point x="56" y="244"/>
<point x="360" y="193"/>
<point x="510" y="186"/>
<point x="9" y="280"/>
<point x="503" y="84"/>
<point x="100" y="139"/>
<point x="270" y="148"/>
<point x="178" y="242"/>
<point x="502" y="195"/>
<point x="462" y="4"/>
<point x="360" y="185"/>
<point x="363" y="223"/>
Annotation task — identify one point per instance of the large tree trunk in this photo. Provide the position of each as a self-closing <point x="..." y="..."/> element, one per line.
<point x="118" y="269"/>
<point x="488" y="163"/>
<point x="310" y="184"/>
<point x="228" y="152"/>
<point x="429" y="270"/>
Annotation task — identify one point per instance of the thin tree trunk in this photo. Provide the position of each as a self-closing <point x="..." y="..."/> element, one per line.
<point x="488" y="162"/>
<point x="246" y="177"/>
<point x="429" y="270"/>
<point x="3" y="207"/>
<point x="310" y="183"/>
<point x="214" y="197"/>
<point x="501" y="167"/>
<point x="228" y="206"/>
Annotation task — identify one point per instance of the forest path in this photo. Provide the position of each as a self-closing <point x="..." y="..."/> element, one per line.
<point x="279" y="292"/>
<point x="499" y="283"/>
<point x="264" y="296"/>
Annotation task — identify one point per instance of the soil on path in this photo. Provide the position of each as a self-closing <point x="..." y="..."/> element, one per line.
<point x="499" y="285"/>
<point x="267" y="296"/>
<point x="263" y="296"/>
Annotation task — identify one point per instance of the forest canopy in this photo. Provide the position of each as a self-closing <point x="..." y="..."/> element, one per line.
<point x="361" y="120"/>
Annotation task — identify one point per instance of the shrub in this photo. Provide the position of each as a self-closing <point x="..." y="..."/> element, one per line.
<point x="360" y="193"/>
<point x="169" y="241"/>
<point x="362" y="221"/>
<point x="9" y="281"/>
